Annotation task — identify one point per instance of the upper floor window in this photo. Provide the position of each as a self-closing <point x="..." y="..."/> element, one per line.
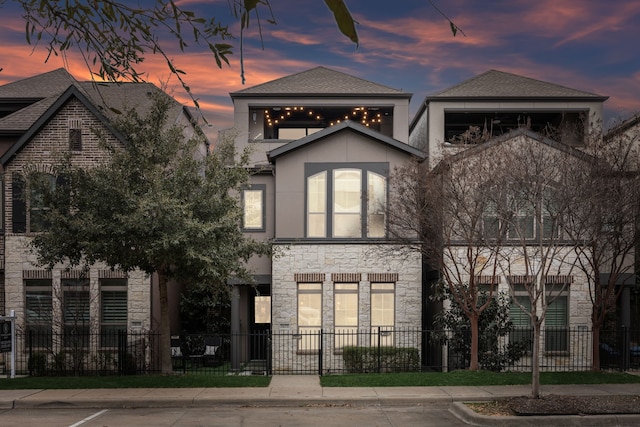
<point x="346" y="202"/>
<point x="75" y="134"/>
<point x="520" y="218"/>
<point x="253" y="204"/>
<point x="38" y="209"/>
<point x="29" y="211"/>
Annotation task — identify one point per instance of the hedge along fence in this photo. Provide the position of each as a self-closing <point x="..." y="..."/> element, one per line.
<point x="359" y="360"/>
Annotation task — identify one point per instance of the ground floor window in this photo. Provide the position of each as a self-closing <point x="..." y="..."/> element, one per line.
<point x="76" y="310"/>
<point x="382" y="313"/>
<point x="519" y="316"/>
<point x="113" y="310"/>
<point x="346" y="314"/>
<point x="38" y="312"/>
<point x="309" y="315"/>
<point x="556" y="333"/>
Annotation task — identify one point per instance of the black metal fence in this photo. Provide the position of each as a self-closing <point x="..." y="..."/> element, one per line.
<point x="40" y="353"/>
<point x="319" y="352"/>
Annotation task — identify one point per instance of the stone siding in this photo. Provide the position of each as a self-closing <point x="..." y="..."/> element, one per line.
<point x="330" y="263"/>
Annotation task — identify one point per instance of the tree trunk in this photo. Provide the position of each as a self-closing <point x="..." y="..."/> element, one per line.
<point x="595" y="347"/>
<point x="165" y="329"/>
<point x="473" y="362"/>
<point x="535" y="361"/>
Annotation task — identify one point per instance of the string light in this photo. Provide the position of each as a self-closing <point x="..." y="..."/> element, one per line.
<point x="358" y="114"/>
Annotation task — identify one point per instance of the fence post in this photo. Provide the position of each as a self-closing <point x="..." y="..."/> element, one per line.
<point x="379" y="350"/>
<point x="30" y="361"/>
<point x="626" y="351"/>
<point x="269" y="353"/>
<point x="320" y="352"/>
<point x="123" y="361"/>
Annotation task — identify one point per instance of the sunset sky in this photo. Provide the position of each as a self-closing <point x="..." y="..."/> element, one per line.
<point x="591" y="45"/>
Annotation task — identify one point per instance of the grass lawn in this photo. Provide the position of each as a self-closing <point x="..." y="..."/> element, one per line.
<point x="471" y="378"/>
<point x="134" y="381"/>
<point x="456" y="378"/>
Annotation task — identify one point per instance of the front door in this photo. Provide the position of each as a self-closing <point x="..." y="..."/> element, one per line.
<point x="260" y="323"/>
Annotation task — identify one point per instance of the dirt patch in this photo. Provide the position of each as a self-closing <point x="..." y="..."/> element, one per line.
<point x="559" y="405"/>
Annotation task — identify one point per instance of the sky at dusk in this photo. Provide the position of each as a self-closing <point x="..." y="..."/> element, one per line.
<point x="590" y="45"/>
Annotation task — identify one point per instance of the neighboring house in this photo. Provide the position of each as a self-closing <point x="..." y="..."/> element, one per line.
<point x="494" y="103"/>
<point x="497" y="108"/>
<point x="325" y="144"/>
<point x="42" y="117"/>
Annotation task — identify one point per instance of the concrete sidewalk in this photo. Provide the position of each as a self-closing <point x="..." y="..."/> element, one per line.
<point x="302" y="390"/>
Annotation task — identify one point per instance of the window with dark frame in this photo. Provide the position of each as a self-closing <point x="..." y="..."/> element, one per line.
<point x="38" y="312"/>
<point x="113" y="310"/>
<point x="76" y="312"/>
<point x="75" y="134"/>
<point x="346" y="200"/>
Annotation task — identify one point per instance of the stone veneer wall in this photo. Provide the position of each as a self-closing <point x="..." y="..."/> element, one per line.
<point x="579" y="322"/>
<point x="330" y="263"/>
<point x="20" y="259"/>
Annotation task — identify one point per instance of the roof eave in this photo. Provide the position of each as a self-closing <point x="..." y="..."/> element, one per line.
<point x="595" y="98"/>
<point x="294" y="145"/>
<point x="311" y="96"/>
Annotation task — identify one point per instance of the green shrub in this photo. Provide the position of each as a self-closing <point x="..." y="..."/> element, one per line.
<point x="37" y="364"/>
<point x="383" y="359"/>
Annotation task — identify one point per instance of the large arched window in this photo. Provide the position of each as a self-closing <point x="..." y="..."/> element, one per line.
<point x="346" y="201"/>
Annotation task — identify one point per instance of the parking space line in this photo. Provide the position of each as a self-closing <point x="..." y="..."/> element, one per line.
<point x="97" y="414"/>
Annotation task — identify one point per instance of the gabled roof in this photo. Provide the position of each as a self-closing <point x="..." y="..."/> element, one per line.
<point x="40" y="86"/>
<point x="71" y="92"/>
<point x="623" y="126"/>
<point x="21" y="120"/>
<point x="499" y="84"/>
<point x="347" y="124"/>
<point x="320" y="81"/>
<point x="43" y="89"/>
<point x="509" y="136"/>
<point x="128" y="95"/>
<point x="494" y="85"/>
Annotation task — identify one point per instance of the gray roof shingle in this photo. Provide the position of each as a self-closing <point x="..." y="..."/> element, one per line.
<point x="499" y="84"/>
<point x="52" y="83"/>
<point x="320" y="81"/>
<point x="44" y="89"/>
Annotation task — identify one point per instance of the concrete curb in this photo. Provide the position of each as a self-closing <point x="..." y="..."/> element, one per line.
<point x="464" y="413"/>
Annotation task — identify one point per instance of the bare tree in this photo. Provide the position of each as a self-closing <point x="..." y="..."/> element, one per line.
<point x="538" y="261"/>
<point x="443" y="210"/>
<point x="604" y="197"/>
